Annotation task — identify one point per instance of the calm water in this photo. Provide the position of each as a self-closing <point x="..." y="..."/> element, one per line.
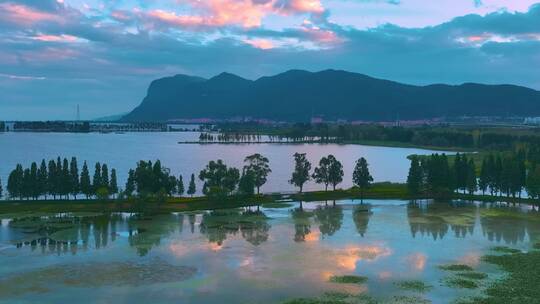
<point x="235" y="256"/>
<point x="122" y="151"/>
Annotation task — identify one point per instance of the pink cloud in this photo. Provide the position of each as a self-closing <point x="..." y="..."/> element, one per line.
<point x="55" y="38"/>
<point x="263" y="44"/>
<point x="23" y="15"/>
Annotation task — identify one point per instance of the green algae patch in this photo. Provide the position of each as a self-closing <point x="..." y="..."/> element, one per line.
<point x="348" y="279"/>
<point x="414" y="285"/>
<point x="335" y="298"/>
<point x="94" y="274"/>
<point x="456" y="267"/>
<point x="472" y="275"/>
<point x="456" y="282"/>
<point x="504" y="249"/>
<point x="408" y="300"/>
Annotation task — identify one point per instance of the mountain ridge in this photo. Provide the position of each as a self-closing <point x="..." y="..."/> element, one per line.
<point x="296" y="95"/>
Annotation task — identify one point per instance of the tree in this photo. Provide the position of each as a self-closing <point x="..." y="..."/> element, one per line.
<point x="180" y="187"/>
<point x="219" y="180"/>
<point x="246" y="185"/>
<point x="361" y="176"/>
<point x="329" y="172"/>
<point x="130" y="183"/>
<point x="321" y="174"/>
<point x="483" y="180"/>
<point x="471" y="182"/>
<point x="42" y="179"/>
<point x="33" y="185"/>
<point x="15" y="182"/>
<point x="259" y="168"/>
<point x="96" y="180"/>
<point x="300" y="174"/>
<point x="113" y="184"/>
<point x="415" y="177"/>
<point x="75" y="187"/>
<point x="104" y="176"/>
<point x="1" y="189"/>
<point x="51" y="179"/>
<point x="65" y="183"/>
<point x="86" y="186"/>
<point x="533" y="182"/>
<point x="192" y="188"/>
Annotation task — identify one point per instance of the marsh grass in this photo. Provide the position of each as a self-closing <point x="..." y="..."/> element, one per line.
<point x="414" y="285"/>
<point x="473" y="275"/>
<point x="456" y="282"/>
<point x="504" y="249"/>
<point x="348" y="279"/>
<point x="456" y="267"/>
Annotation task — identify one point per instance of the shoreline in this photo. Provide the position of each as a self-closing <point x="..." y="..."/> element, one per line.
<point x="380" y="191"/>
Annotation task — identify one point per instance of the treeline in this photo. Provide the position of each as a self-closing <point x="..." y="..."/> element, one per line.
<point x="52" y="126"/>
<point x="60" y="179"/>
<point x="434" y="136"/>
<point x="499" y="174"/>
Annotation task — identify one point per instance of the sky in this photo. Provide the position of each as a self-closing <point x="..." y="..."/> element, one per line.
<point x="102" y="55"/>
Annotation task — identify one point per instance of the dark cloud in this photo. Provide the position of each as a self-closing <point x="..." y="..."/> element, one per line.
<point x="107" y="67"/>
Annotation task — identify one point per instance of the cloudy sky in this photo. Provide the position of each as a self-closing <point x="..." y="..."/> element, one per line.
<point x="102" y="54"/>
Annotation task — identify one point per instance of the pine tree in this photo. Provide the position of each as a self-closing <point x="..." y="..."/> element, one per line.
<point x="66" y="179"/>
<point x="533" y="182"/>
<point x="104" y="176"/>
<point x="15" y="182"/>
<point x="75" y="187"/>
<point x="113" y="184"/>
<point x="471" y="183"/>
<point x="192" y="188"/>
<point x="33" y="183"/>
<point x="51" y="179"/>
<point x="483" y="181"/>
<point x="96" y="180"/>
<point x="180" y="188"/>
<point x="42" y="179"/>
<point x="130" y="183"/>
<point x="414" y="179"/>
<point x="86" y="186"/>
<point x="361" y="176"/>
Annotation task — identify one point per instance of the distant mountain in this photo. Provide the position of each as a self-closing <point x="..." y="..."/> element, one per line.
<point x="298" y="95"/>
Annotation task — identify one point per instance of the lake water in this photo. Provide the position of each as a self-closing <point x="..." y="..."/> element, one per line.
<point x="236" y="256"/>
<point x="122" y="151"/>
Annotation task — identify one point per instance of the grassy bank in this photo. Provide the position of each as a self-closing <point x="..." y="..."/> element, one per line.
<point x="377" y="191"/>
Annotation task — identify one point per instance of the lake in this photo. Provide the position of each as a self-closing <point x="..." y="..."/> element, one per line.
<point x="248" y="256"/>
<point x="122" y="151"/>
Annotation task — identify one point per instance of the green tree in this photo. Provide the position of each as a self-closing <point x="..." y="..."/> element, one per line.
<point x="130" y="183"/>
<point x="86" y="185"/>
<point x="65" y="185"/>
<point x="259" y="168"/>
<point x="336" y="173"/>
<point x="51" y="179"/>
<point x="33" y="183"/>
<point x="533" y="183"/>
<point x="1" y="189"/>
<point x="246" y="185"/>
<point x="361" y="176"/>
<point x="219" y="180"/>
<point x="483" y="180"/>
<point x="96" y="180"/>
<point x="113" y="184"/>
<point x="42" y="179"/>
<point x="104" y="176"/>
<point x="472" y="182"/>
<point x="321" y="174"/>
<point x="180" y="187"/>
<point x="415" y="177"/>
<point x="192" y="188"/>
<point x="300" y="174"/>
<point x="75" y="187"/>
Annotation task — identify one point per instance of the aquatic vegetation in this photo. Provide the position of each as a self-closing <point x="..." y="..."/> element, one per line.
<point x="414" y="285"/>
<point x="95" y="275"/>
<point x="472" y="275"/>
<point x="335" y="298"/>
<point x="460" y="283"/>
<point x="348" y="279"/>
<point x="504" y="249"/>
<point x="536" y="246"/>
<point x="456" y="267"/>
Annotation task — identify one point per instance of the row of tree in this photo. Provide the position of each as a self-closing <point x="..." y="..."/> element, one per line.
<point x="60" y="178"/>
<point x="503" y="173"/>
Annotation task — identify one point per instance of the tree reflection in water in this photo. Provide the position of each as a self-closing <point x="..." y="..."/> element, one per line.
<point x="329" y="218"/>
<point x="219" y="224"/>
<point x="361" y="215"/>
